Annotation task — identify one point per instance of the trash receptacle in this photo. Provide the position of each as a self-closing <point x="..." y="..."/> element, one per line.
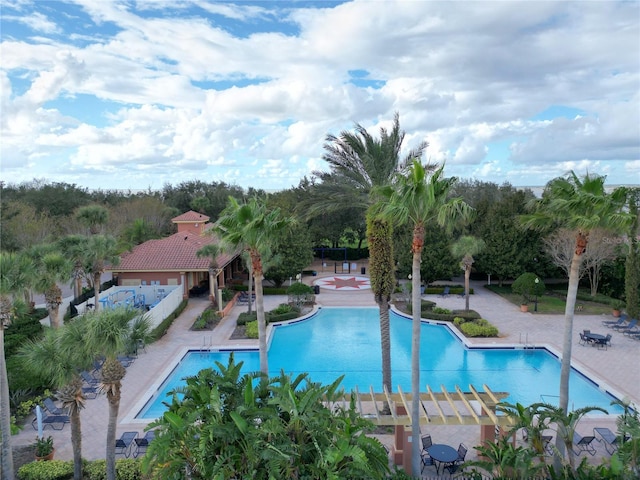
<point x="316" y="289"/>
<point x="363" y="270"/>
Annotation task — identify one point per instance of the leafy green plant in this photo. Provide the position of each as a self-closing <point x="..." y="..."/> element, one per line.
<point x="126" y="469"/>
<point x="252" y="329"/>
<point x="441" y="310"/>
<point x="53" y="470"/>
<point x="44" y="446"/>
<point x="282" y="308"/>
<point x="472" y="329"/>
<point x="528" y="285"/>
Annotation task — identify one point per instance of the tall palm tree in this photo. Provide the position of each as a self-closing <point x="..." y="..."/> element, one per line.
<point x="579" y="205"/>
<point x="57" y="358"/>
<point x="51" y="267"/>
<point x="418" y="198"/>
<point x="99" y="251"/>
<point x="14" y="278"/>
<point x="72" y="246"/>
<point x="109" y="334"/>
<point x="466" y="247"/>
<point x="251" y="227"/>
<point x="360" y="164"/>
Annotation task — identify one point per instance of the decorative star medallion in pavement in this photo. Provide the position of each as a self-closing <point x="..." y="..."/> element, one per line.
<point x="347" y="283"/>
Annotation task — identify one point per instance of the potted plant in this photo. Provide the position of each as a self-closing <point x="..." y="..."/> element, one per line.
<point x="44" y="448"/>
<point x="528" y="285"/>
<point x="618" y="305"/>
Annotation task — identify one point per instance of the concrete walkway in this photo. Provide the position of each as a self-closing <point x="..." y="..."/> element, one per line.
<point x="617" y="366"/>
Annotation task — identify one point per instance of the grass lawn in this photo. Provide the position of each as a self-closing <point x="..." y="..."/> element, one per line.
<point x="553" y="302"/>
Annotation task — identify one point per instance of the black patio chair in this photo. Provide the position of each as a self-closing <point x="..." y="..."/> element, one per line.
<point x="425" y="458"/>
<point x="583" y="444"/>
<point x="123" y="444"/>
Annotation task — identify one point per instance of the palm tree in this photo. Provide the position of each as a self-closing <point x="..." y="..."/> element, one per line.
<point x="52" y="267"/>
<point x="251" y="227"/>
<point x="109" y="334"/>
<point x="93" y="217"/>
<point x="417" y="199"/>
<point x="72" y="246"/>
<point x="360" y="164"/>
<point x="14" y="278"/>
<point x="579" y="205"/>
<point x="57" y="358"/>
<point x="466" y="247"/>
<point x="99" y="251"/>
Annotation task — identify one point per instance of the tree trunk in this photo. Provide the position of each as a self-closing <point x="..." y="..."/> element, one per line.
<point x="76" y="442"/>
<point x="96" y="290"/>
<point x="385" y="344"/>
<point x="256" y="264"/>
<point x="5" y="415"/>
<point x="114" y="405"/>
<point x="415" y="365"/>
<point x="467" y="274"/>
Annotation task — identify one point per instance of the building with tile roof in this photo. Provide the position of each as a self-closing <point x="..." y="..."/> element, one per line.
<point x="173" y="260"/>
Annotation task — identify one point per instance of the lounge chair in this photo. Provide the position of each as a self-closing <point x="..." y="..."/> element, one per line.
<point x="633" y="329"/>
<point x="462" y="294"/>
<point x="141" y="444"/>
<point x="619" y="321"/>
<point x="90" y="392"/>
<point x="626" y="327"/>
<point x="583" y="444"/>
<point x="606" y="436"/>
<point x="125" y="360"/>
<point x="445" y="292"/>
<point x="123" y="444"/>
<point x="56" y="422"/>
<point x="52" y="408"/>
<point x="90" y="379"/>
<point x="425" y="458"/>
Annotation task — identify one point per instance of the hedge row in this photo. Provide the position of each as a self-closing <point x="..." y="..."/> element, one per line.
<point x="476" y="327"/>
<point x="265" y="290"/>
<point x="245" y="317"/>
<point x="162" y="328"/>
<point x="126" y="469"/>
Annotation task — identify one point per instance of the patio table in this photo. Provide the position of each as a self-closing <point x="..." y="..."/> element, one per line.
<point x="443" y="454"/>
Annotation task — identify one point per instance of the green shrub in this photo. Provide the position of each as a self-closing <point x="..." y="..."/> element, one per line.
<point x="283" y="317"/>
<point x="227" y="294"/>
<point x="51" y="470"/>
<point x="252" y="329"/>
<point x="472" y="329"/>
<point x="282" y="308"/>
<point x="200" y="323"/>
<point x="440" y="310"/>
<point x="299" y="288"/>
<point x="246" y="317"/>
<point x="126" y="469"/>
<point x="528" y="285"/>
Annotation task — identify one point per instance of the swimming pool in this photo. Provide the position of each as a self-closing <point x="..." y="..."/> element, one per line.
<point x="346" y="341"/>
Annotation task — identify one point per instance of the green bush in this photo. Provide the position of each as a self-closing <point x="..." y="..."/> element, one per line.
<point x="252" y="329"/>
<point x="283" y="317"/>
<point x="528" y="285"/>
<point x="472" y="329"/>
<point x="126" y="469"/>
<point x="282" y="308"/>
<point x="51" y="470"/>
<point x="440" y="310"/>
<point x="299" y="288"/>
<point x="227" y="294"/>
<point x="246" y="317"/>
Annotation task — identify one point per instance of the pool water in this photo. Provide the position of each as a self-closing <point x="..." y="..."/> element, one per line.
<point x="346" y="341"/>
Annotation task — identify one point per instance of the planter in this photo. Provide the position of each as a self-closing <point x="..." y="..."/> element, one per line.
<point x="46" y="457"/>
<point x="524" y="308"/>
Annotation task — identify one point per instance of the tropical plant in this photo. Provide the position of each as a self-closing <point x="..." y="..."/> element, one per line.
<point x="72" y="246"/>
<point x="57" y="358"/>
<point x="14" y="278"/>
<point x="253" y="228"/>
<point x="632" y="262"/>
<point x="505" y="461"/>
<point x="213" y="251"/>
<point x="44" y="446"/>
<point x="94" y="217"/>
<point x="109" y="335"/>
<point x="98" y="252"/>
<point x="223" y="424"/>
<point x="581" y="205"/>
<point x="360" y="164"/>
<point x="416" y="198"/>
<point x="466" y="247"/>
<point x="51" y="268"/>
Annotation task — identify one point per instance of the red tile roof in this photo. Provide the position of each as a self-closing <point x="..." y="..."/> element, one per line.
<point x="174" y="253"/>
<point x="190" y="217"/>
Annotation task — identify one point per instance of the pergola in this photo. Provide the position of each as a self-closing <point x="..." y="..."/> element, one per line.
<point x="442" y="407"/>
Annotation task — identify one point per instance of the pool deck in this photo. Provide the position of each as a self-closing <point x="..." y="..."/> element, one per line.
<point x="616" y="367"/>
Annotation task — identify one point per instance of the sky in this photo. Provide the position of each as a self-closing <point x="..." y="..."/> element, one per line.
<point x="139" y="94"/>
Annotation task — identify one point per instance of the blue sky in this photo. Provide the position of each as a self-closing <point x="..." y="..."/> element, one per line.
<point x="138" y="94"/>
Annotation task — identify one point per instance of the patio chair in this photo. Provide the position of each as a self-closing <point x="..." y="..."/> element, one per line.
<point x="626" y="327"/>
<point x="603" y="343"/>
<point x="125" y="360"/>
<point x="56" y="422"/>
<point x="619" y="321"/>
<point x="52" y="408"/>
<point x="632" y="330"/>
<point x="123" y="444"/>
<point x="462" y="453"/>
<point x="584" y="340"/>
<point x="90" y="379"/>
<point x="462" y="294"/>
<point x="141" y="444"/>
<point x="445" y="292"/>
<point x="583" y="444"/>
<point x="606" y="436"/>
<point x="425" y="458"/>
<point x="90" y="392"/>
